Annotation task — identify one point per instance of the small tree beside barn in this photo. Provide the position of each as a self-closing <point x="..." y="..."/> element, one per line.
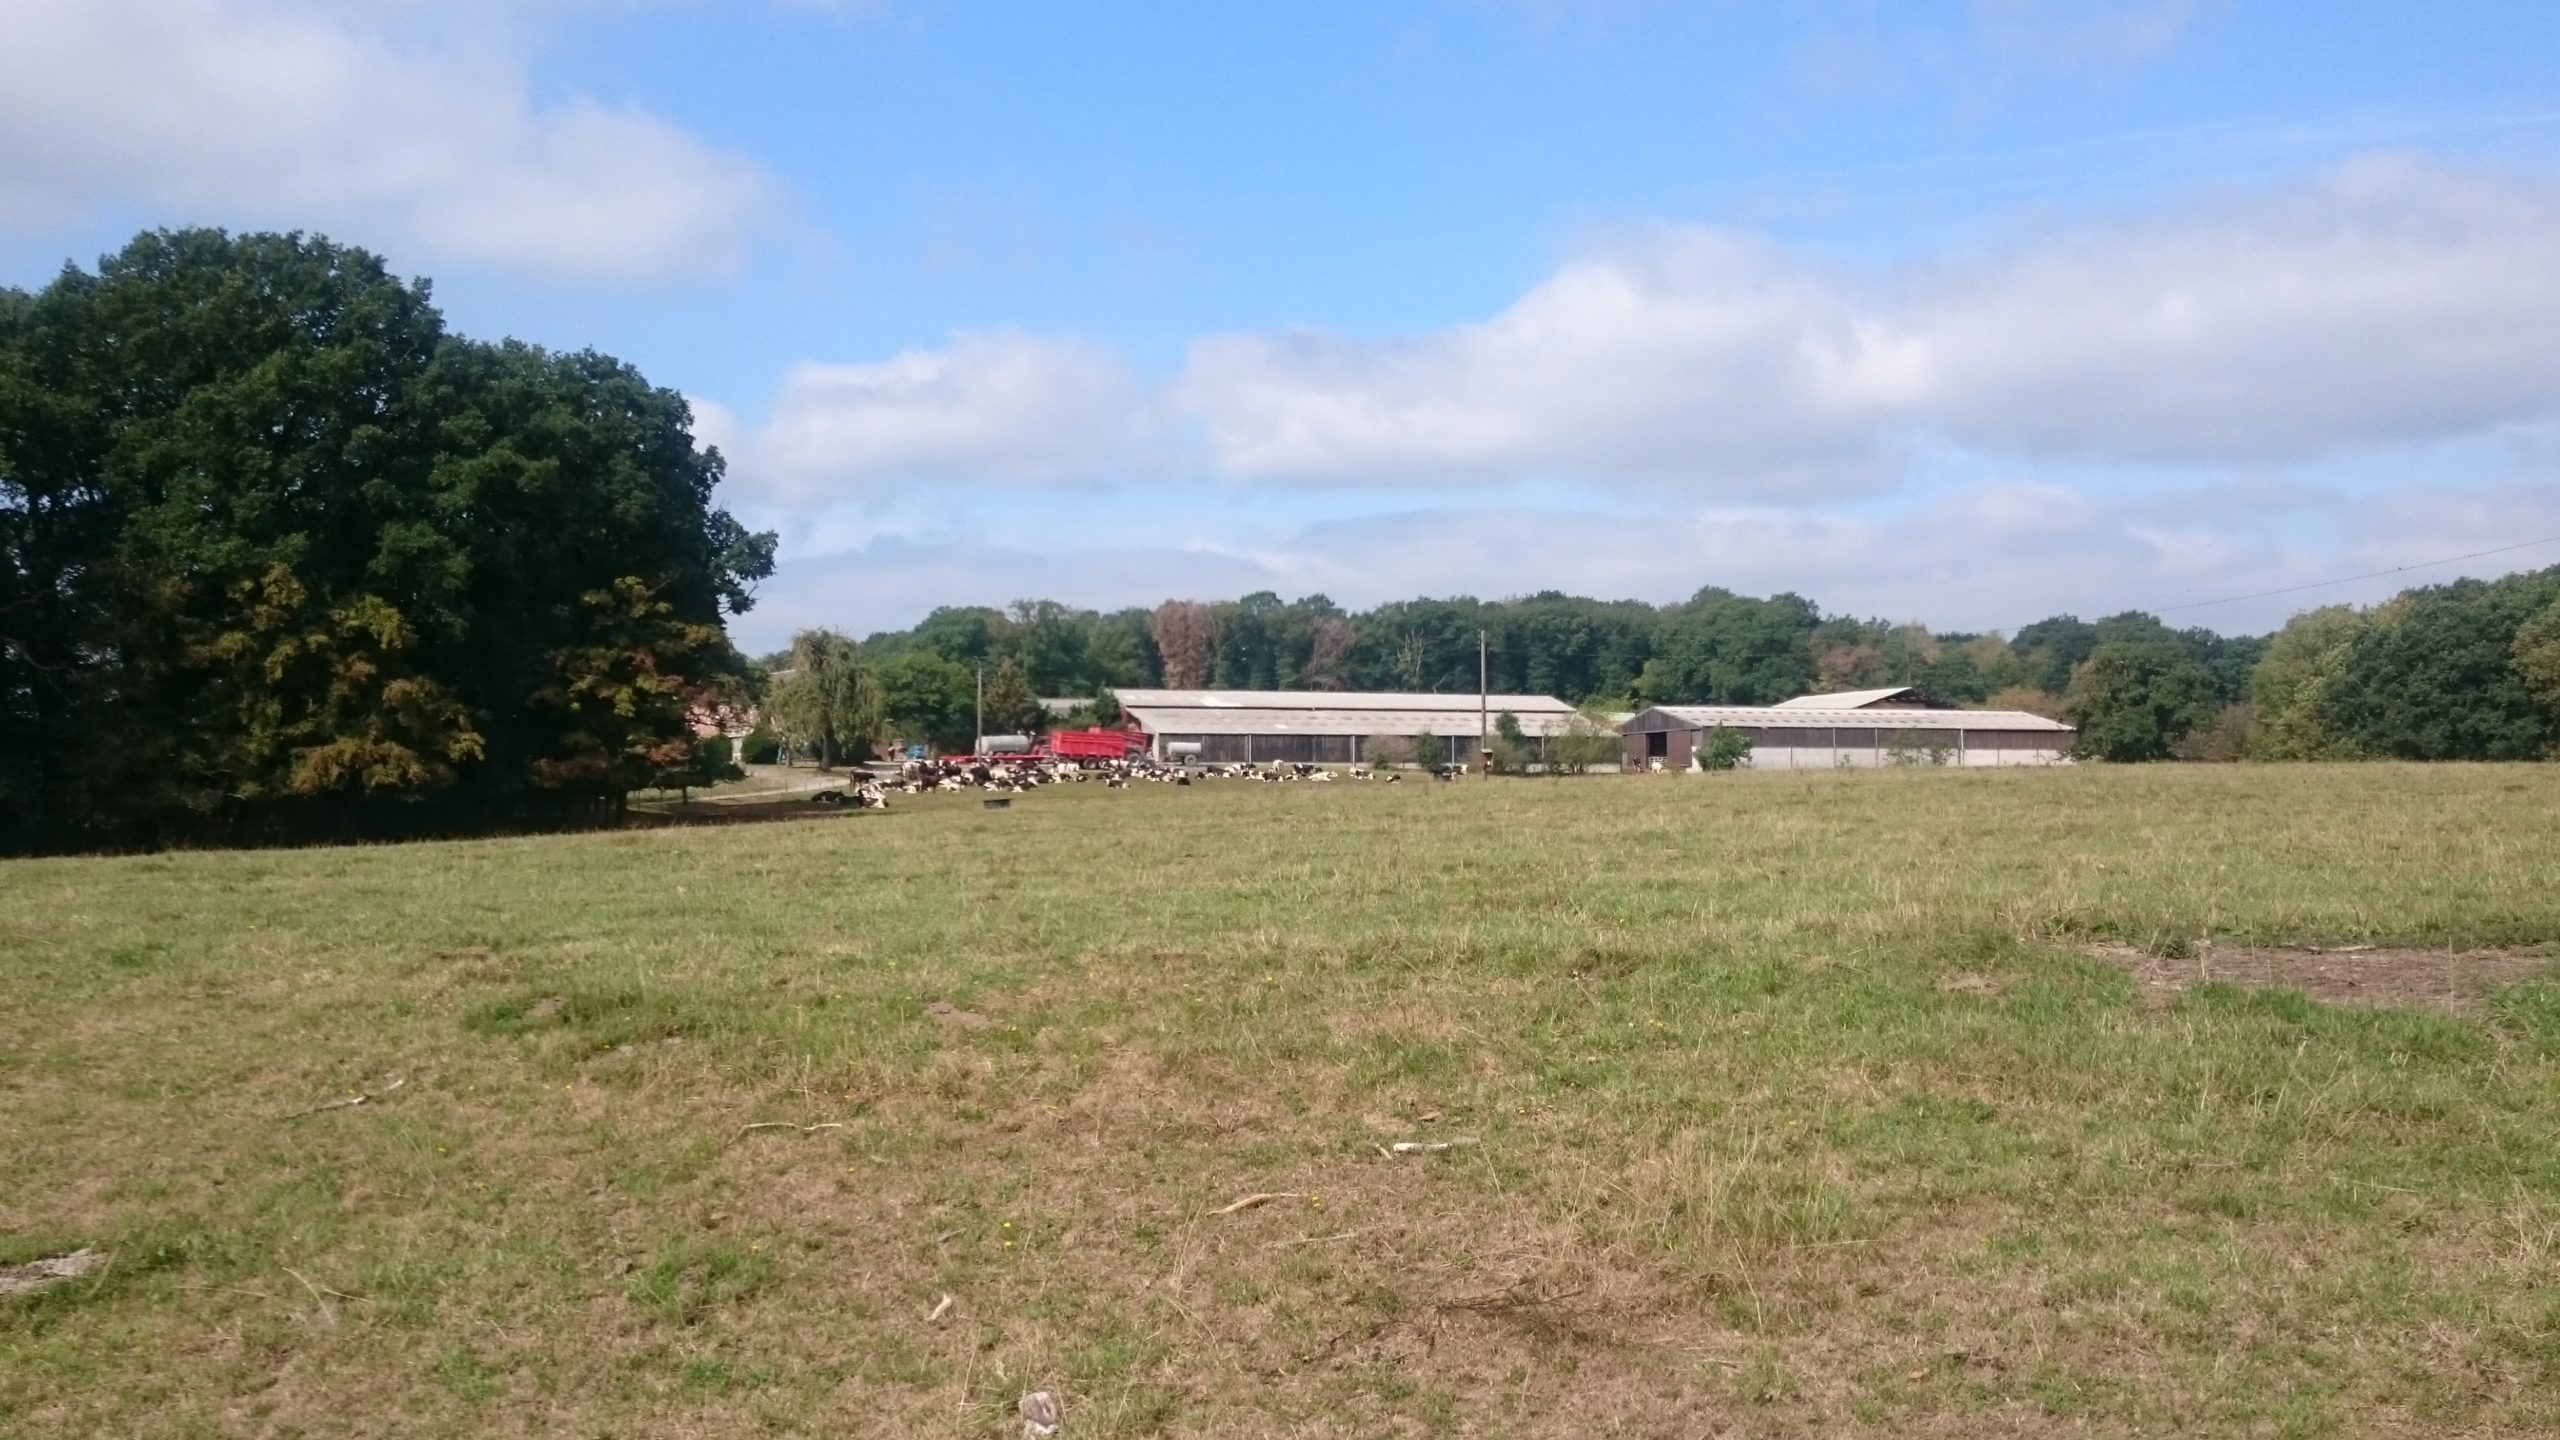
<point x="1725" y="749"/>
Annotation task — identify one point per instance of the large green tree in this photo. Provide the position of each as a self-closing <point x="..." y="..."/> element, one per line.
<point x="925" y="697"/>
<point x="1727" y="649"/>
<point x="281" y="558"/>
<point x="1012" y="706"/>
<point x="203" y="429"/>
<point x="2137" y="699"/>
<point x="2050" y="650"/>
<point x="1053" y="645"/>
<point x="2538" y="656"/>
<point x="827" y="699"/>
<point x="1248" y="656"/>
<point x="2435" y="676"/>
<point x="2290" y="686"/>
<point x="558" y="478"/>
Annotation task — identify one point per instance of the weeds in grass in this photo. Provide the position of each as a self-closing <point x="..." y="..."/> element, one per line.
<point x="697" y="1276"/>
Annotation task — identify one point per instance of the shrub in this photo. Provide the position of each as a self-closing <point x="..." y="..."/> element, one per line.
<point x="1388" y="750"/>
<point x="1723" y="749"/>
<point x="1918" y="747"/>
<point x="2230" y="735"/>
<point x="2136" y="700"/>
<point x="1587" y="740"/>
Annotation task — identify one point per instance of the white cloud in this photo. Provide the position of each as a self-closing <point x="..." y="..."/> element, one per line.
<point x="403" y="127"/>
<point x="1683" y="354"/>
<point x="2077" y="34"/>
<point x="998" y="407"/>
<point x="2393" y="302"/>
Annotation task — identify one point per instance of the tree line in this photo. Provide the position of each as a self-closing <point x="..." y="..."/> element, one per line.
<point x="2469" y="670"/>
<point x="283" y="559"/>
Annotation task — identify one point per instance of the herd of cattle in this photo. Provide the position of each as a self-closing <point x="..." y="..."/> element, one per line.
<point x="917" y="777"/>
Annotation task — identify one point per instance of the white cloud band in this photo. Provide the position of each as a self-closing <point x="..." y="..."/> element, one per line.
<point x="2390" y="303"/>
<point x="421" y="136"/>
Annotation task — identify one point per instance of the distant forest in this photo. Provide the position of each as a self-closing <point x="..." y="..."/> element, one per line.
<point x="2469" y="670"/>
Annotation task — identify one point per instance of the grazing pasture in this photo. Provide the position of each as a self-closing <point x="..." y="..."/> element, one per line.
<point x="1894" y="1104"/>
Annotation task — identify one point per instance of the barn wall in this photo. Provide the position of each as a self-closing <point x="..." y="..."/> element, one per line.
<point x="1266" y="749"/>
<point x="1822" y="747"/>
<point x="1783" y="748"/>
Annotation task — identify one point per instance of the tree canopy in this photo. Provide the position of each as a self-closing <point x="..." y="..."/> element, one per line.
<point x="285" y="559"/>
<point x="2135" y="699"/>
<point x="827" y="699"/>
<point x="1012" y="706"/>
<point x="2538" y="656"/>
<point x="2435" y="675"/>
<point x="2291" y="685"/>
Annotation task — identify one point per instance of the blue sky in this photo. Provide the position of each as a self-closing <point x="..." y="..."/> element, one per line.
<point x="1968" y="311"/>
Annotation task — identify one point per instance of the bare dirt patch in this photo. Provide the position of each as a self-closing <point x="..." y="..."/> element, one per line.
<point x="1980" y="986"/>
<point x="40" y="1275"/>
<point x="743" y="812"/>
<point x="953" y="1015"/>
<point x="2458" y="981"/>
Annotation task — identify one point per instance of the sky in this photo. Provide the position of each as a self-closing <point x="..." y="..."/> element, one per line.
<point x="1965" y="311"/>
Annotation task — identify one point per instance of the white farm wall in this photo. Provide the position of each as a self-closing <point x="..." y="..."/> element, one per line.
<point x="1862" y="757"/>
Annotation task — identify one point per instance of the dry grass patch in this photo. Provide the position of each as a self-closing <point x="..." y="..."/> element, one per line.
<point x="2458" y="981"/>
<point x="1798" y="1109"/>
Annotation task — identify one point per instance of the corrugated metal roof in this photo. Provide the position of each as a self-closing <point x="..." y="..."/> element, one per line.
<point x="1870" y="719"/>
<point x="1307" y="700"/>
<point x="1843" y="700"/>
<point x="1205" y="720"/>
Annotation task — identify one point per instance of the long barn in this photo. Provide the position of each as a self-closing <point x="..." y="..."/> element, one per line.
<point x="1857" y="728"/>
<point x="1327" y="727"/>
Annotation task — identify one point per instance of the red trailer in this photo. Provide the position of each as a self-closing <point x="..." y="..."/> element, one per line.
<point x="1095" y="744"/>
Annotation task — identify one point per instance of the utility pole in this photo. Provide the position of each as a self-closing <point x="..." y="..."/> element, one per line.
<point x="978" y="746"/>
<point x="1484" y="732"/>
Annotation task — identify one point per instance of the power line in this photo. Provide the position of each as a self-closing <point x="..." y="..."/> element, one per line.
<point x="2351" y="579"/>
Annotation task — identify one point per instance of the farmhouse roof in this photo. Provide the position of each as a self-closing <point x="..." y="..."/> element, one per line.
<point x="1304" y="701"/>
<point x="1843" y="700"/>
<point x="1313" y="713"/>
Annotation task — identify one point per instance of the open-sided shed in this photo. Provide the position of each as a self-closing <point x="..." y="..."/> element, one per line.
<point x="1800" y="736"/>
<point x="1327" y="727"/>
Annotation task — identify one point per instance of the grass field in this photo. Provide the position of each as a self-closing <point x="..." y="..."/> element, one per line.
<point x="1801" y="1104"/>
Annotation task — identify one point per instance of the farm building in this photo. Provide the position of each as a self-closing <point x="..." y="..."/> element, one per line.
<point x="1857" y="728"/>
<point x="1326" y="727"/>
